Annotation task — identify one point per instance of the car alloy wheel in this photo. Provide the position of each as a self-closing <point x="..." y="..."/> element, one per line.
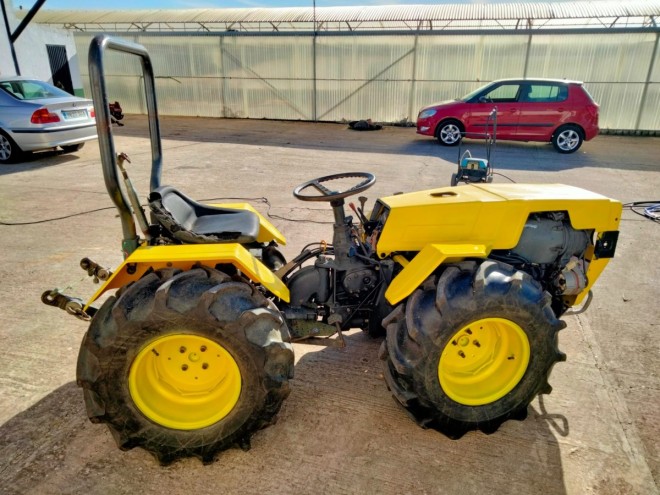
<point x="5" y="149"/>
<point x="450" y="134"/>
<point x="568" y="140"/>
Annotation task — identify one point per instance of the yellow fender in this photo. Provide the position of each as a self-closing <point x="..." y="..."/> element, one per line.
<point x="425" y="263"/>
<point x="184" y="257"/>
<point x="267" y="231"/>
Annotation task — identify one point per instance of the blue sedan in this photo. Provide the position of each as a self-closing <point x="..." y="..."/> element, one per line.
<point x="35" y="116"/>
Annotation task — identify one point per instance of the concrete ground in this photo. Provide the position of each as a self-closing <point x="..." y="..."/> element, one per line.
<point x="339" y="431"/>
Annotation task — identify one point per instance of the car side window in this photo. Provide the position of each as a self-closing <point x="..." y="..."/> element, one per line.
<point x="7" y="87"/>
<point x="545" y="93"/>
<point x="33" y="91"/>
<point x="505" y="93"/>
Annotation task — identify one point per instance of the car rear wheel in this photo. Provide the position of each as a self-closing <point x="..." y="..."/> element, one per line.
<point x="449" y="132"/>
<point x="567" y="139"/>
<point x="72" y="147"/>
<point x="9" y="150"/>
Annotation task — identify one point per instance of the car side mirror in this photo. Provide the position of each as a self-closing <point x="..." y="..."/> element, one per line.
<point x="483" y="99"/>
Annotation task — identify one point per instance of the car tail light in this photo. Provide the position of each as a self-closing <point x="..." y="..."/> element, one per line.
<point x="92" y="113"/>
<point x="44" y="116"/>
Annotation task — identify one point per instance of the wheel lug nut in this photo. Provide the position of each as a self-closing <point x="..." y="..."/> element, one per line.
<point x="476" y="342"/>
<point x="182" y="349"/>
<point x="203" y="348"/>
<point x="184" y="367"/>
<point x="205" y="366"/>
<point x="461" y="353"/>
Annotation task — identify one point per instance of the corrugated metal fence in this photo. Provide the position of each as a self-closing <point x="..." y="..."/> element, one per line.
<point x="385" y="77"/>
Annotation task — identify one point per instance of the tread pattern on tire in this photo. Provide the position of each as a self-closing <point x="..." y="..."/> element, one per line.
<point x="419" y="329"/>
<point x="203" y="301"/>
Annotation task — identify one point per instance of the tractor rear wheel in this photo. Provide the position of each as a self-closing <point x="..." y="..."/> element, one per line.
<point x="471" y="348"/>
<point x="185" y="364"/>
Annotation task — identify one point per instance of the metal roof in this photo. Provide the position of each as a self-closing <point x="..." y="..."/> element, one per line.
<point x="445" y="12"/>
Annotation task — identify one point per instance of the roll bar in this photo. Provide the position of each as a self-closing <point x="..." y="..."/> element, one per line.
<point x="97" y="50"/>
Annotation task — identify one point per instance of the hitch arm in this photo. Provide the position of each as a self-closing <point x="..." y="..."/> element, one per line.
<point x="71" y="305"/>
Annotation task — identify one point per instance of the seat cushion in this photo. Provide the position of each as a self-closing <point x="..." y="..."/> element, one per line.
<point x="196" y="223"/>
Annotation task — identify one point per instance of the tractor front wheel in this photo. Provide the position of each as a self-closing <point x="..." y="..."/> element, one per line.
<point x="185" y="364"/>
<point x="471" y="348"/>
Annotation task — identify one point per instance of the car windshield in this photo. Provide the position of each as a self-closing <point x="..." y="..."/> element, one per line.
<point x="474" y="93"/>
<point x="32" y="90"/>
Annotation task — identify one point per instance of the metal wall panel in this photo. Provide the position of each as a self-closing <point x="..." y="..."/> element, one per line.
<point x="655" y="75"/>
<point x="197" y="56"/>
<point x="598" y="58"/>
<point x="470" y="57"/>
<point x="619" y="103"/>
<point x="381" y="101"/>
<point x="268" y="77"/>
<point x="253" y="98"/>
<point x="386" y="77"/>
<point x="362" y="77"/>
<point x="364" y="58"/>
<point x="650" y="114"/>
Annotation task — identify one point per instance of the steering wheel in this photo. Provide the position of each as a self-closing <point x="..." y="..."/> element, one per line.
<point x="329" y="195"/>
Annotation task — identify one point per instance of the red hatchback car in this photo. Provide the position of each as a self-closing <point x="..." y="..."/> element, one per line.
<point x="546" y="110"/>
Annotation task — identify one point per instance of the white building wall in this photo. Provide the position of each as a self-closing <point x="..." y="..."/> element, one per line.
<point x="6" y="61"/>
<point x="31" y="50"/>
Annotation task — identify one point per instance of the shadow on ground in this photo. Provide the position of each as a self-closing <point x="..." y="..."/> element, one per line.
<point x="35" y="161"/>
<point x="339" y="432"/>
<point x="603" y="151"/>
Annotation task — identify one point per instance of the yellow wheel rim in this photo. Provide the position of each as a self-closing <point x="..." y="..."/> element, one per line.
<point x="483" y="361"/>
<point x="184" y="382"/>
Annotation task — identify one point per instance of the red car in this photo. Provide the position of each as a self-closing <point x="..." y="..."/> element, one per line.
<point x="546" y="110"/>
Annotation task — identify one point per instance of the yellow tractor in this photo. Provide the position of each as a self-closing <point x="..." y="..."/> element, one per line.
<point x="191" y="353"/>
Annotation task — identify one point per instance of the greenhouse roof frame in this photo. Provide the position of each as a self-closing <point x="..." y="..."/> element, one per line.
<point x="507" y="16"/>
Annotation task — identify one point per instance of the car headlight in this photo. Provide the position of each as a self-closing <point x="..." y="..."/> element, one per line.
<point x="427" y="113"/>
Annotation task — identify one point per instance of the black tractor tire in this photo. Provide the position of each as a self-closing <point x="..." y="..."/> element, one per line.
<point x="567" y="139"/>
<point x="72" y="147"/>
<point x="200" y="305"/>
<point x="10" y="152"/>
<point x="424" y="329"/>
<point x="449" y="132"/>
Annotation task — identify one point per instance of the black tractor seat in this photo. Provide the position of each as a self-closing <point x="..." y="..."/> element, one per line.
<point x="194" y="223"/>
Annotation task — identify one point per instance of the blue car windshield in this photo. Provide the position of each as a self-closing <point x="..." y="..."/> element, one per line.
<point x="32" y="90"/>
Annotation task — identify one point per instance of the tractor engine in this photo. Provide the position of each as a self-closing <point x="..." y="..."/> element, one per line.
<point x="552" y="251"/>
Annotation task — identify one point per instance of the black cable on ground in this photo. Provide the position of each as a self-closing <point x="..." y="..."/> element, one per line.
<point x="646" y="209"/>
<point x="263" y="200"/>
<point x="502" y="175"/>
<point x="57" y="218"/>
